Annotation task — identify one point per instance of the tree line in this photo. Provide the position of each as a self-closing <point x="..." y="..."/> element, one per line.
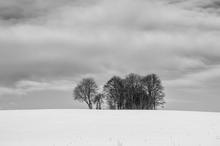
<point x="131" y="92"/>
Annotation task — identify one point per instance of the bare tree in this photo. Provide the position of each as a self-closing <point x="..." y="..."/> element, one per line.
<point x="85" y="91"/>
<point x="154" y="91"/>
<point x="114" y="92"/>
<point x="134" y="92"/>
<point x="98" y="100"/>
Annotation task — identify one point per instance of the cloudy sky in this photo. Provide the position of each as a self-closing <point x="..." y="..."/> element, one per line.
<point x="47" y="46"/>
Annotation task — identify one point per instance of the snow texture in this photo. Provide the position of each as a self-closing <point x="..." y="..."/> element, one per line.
<point x="108" y="128"/>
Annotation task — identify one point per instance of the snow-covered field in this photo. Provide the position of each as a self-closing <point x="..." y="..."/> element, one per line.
<point x="108" y="128"/>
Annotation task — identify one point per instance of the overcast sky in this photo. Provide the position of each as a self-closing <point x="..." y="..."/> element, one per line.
<point x="47" y="46"/>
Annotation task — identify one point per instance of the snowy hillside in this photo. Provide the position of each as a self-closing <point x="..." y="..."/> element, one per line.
<point x="108" y="128"/>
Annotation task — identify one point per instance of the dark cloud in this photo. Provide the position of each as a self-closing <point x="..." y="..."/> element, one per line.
<point x="212" y="5"/>
<point x="22" y="10"/>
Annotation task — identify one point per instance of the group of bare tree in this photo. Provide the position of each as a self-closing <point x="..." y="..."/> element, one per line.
<point x="132" y="92"/>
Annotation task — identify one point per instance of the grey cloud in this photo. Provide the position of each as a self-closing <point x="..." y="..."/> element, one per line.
<point x="210" y="6"/>
<point x="213" y="4"/>
<point x="106" y="38"/>
<point x="206" y="78"/>
<point x="22" y="10"/>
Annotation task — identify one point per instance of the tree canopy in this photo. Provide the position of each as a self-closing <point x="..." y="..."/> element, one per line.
<point x="85" y="91"/>
<point x="132" y="92"/>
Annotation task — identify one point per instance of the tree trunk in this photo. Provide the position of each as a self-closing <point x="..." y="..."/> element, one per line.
<point x="90" y="105"/>
<point x="100" y="107"/>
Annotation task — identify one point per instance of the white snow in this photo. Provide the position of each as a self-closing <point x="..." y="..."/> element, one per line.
<point x="108" y="128"/>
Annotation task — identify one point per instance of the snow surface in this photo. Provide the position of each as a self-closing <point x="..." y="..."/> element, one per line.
<point x="108" y="128"/>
